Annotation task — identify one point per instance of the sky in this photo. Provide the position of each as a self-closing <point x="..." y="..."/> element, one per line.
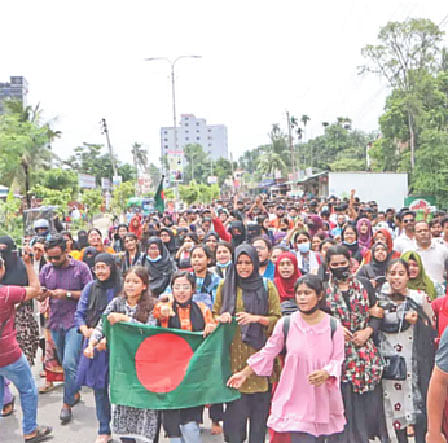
<point x="84" y="61"/>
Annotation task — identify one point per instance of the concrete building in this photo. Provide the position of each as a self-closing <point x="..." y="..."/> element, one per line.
<point x="192" y="130"/>
<point x="16" y="89"/>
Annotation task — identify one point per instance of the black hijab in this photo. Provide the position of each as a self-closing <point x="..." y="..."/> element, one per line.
<point x="171" y="245"/>
<point x="15" y="270"/>
<point x="379" y="267"/>
<point x="98" y="293"/>
<point x="159" y="271"/>
<point x="255" y="297"/>
<point x="237" y="239"/>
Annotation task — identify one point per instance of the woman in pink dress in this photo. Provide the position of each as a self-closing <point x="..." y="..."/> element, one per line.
<point x="307" y="404"/>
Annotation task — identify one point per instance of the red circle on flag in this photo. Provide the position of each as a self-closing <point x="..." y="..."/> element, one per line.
<point x="161" y="362"/>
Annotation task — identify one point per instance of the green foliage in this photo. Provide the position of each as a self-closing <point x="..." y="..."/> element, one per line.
<point x="56" y="178"/>
<point x="120" y="196"/>
<point x="91" y="160"/>
<point x="53" y="197"/>
<point x="169" y="194"/>
<point x="11" y="223"/>
<point x="198" y="192"/>
<point x="24" y="144"/>
<point x="93" y="199"/>
<point x="412" y="45"/>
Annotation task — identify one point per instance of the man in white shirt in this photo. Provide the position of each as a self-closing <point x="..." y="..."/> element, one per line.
<point x="433" y="254"/>
<point x="406" y="240"/>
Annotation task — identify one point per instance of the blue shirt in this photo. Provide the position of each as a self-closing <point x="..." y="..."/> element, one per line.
<point x="442" y="352"/>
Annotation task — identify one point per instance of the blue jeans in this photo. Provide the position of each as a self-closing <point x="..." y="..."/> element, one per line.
<point x="103" y="410"/>
<point x="68" y="344"/>
<point x="19" y="373"/>
<point x="190" y="434"/>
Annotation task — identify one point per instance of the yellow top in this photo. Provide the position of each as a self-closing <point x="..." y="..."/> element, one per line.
<point x="240" y="351"/>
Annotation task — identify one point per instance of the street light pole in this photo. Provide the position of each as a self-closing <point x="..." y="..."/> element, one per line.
<point x="173" y="90"/>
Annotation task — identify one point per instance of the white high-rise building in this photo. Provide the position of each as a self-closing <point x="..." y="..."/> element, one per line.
<point x="192" y="130"/>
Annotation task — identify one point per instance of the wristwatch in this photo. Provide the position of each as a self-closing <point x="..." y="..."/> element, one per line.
<point x="68" y="295"/>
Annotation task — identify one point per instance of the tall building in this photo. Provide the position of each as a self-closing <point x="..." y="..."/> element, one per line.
<point x="191" y="130"/>
<point x="16" y="89"/>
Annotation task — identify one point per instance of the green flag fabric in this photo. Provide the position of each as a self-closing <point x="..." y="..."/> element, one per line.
<point x="160" y="368"/>
<point x="159" y="204"/>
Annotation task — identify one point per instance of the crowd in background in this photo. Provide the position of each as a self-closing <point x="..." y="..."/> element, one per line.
<point x="340" y="309"/>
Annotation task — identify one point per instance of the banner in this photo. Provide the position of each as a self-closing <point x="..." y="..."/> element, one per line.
<point x="159" y="368"/>
<point x="86" y="181"/>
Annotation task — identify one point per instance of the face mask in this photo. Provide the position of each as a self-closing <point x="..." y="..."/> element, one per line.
<point x="346" y="243"/>
<point x="154" y="260"/>
<point x="340" y="273"/>
<point x="303" y="247"/>
<point x="311" y="311"/>
<point x="223" y="265"/>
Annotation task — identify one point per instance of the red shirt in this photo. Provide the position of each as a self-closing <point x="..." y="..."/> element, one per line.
<point x="9" y="348"/>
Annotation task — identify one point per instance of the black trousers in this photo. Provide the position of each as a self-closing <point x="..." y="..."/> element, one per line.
<point x="254" y="407"/>
<point x="216" y="412"/>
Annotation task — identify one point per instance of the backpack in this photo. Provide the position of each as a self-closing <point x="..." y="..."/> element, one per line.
<point x="287" y="322"/>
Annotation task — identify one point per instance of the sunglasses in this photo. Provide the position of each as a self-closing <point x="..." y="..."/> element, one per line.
<point x="408" y="221"/>
<point x="54" y="257"/>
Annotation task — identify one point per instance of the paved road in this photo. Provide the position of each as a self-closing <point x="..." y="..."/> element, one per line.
<point x="82" y="429"/>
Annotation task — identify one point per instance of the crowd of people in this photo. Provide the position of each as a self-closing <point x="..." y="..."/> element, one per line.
<point x="340" y="307"/>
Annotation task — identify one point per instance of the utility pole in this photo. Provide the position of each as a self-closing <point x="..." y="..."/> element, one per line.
<point x="291" y="143"/>
<point x="105" y="131"/>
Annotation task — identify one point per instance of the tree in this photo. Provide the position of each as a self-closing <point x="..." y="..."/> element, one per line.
<point x="197" y="164"/>
<point x="52" y="197"/>
<point x="405" y="50"/>
<point x="24" y="144"/>
<point x="93" y="199"/>
<point x="56" y="178"/>
<point x="120" y="197"/>
<point x="269" y="162"/>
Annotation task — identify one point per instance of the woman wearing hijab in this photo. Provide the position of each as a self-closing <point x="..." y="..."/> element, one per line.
<point x="286" y="274"/>
<point x="95" y="372"/>
<point x="256" y="304"/>
<point x="184" y="313"/>
<point x="26" y="325"/>
<point x="418" y="279"/>
<point x="314" y="224"/>
<point x="364" y="230"/>
<point x="169" y="240"/>
<point x="135" y="226"/>
<point x="349" y="237"/>
<point x="238" y="232"/>
<point x="375" y="271"/>
<point x="382" y="235"/>
<point x="159" y="264"/>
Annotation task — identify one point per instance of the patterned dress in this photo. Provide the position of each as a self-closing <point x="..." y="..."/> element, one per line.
<point x="402" y="398"/>
<point x="362" y="365"/>
<point x="127" y="421"/>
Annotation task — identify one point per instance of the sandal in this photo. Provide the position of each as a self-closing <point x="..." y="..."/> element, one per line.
<point x="46" y="388"/>
<point x="7" y="406"/>
<point x="42" y="434"/>
<point x="103" y="438"/>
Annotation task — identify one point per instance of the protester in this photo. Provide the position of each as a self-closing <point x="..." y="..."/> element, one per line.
<point x="159" y="265"/>
<point x="418" y="279"/>
<point x="256" y="304"/>
<point x="13" y="364"/>
<point x="286" y="275"/>
<point x="349" y="301"/>
<point x="307" y="404"/>
<point x="224" y="254"/>
<point x="94" y="372"/>
<point x="264" y="249"/>
<point x="135" y="305"/>
<point x="65" y="278"/>
<point x="131" y="255"/>
<point x="182" y="425"/>
<point x="406" y="343"/>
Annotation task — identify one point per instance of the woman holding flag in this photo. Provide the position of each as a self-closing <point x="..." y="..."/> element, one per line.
<point x="182" y="425"/>
<point x="134" y="305"/>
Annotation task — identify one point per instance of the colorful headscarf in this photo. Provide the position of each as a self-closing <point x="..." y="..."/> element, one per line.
<point x="422" y="282"/>
<point x="364" y="239"/>
<point x="285" y="286"/>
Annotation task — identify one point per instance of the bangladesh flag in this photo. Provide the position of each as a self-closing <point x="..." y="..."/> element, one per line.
<point x="158" y="199"/>
<point x="159" y="368"/>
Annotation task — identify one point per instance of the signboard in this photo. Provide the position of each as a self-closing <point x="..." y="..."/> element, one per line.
<point x="116" y="180"/>
<point x="176" y="167"/>
<point x="86" y="181"/>
<point x="415" y="203"/>
<point x="144" y="183"/>
<point x="105" y="183"/>
<point x="212" y="179"/>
